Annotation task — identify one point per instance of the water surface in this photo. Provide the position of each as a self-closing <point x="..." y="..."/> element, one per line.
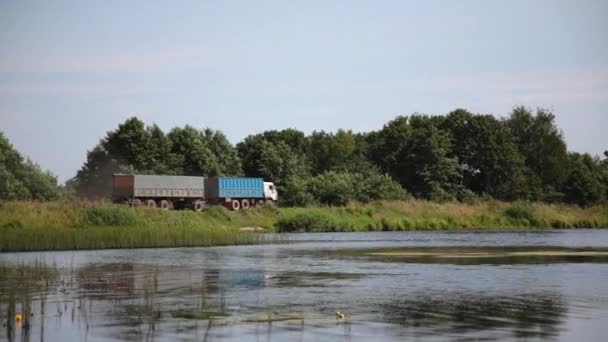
<point x="390" y="286"/>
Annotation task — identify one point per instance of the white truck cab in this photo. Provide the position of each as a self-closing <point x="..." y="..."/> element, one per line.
<point x="270" y="191"/>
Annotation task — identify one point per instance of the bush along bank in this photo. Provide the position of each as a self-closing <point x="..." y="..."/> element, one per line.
<point x="423" y="215"/>
<point x="71" y="225"/>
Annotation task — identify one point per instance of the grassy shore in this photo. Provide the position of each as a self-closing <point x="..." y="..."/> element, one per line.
<point x="71" y="225"/>
<point x="28" y="226"/>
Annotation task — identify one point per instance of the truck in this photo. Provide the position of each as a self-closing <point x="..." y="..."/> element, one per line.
<point x="192" y="192"/>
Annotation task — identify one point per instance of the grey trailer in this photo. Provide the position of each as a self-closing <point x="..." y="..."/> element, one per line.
<point x="160" y="191"/>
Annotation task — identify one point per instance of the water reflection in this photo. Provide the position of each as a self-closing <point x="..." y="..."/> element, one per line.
<point x="532" y="315"/>
<point x="97" y="280"/>
<point x="263" y="293"/>
<point x="138" y="302"/>
<point x="18" y="286"/>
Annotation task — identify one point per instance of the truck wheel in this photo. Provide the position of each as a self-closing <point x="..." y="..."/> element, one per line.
<point x="136" y="202"/>
<point x="235" y="205"/>
<point x="245" y="204"/>
<point x="261" y="203"/>
<point x="164" y="205"/>
<point x="198" y="205"/>
<point x="151" y="203"/>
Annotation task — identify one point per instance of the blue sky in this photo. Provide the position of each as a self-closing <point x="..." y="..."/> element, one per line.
<point x="72" y="70"/>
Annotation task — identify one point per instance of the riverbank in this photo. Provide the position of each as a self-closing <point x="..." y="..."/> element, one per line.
<point x="70" y="225"/>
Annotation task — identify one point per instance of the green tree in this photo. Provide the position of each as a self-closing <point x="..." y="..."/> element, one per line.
<point x="161" y="158"/>
<point x="22" y="179"/>
<point x="131" y="144"/>
<point x="328" y="151"/>
<point x="542" y="145"/>
<point x="229" y="163"/>
<point x="586" y="182"/>
<point x="385" y="146"/>
<point x="274" y="155"/>
<point x="198" y="159"/>
<point x="487" y="155"/>
<point x="428" y="170"/>
<point x="278" y="163"/>
<point x="416" y="153"/>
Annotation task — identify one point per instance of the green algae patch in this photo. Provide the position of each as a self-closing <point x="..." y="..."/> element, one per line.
<point x="494" y="255"/>
<point x="274" y="317"/>
<point x="482" y="255"/>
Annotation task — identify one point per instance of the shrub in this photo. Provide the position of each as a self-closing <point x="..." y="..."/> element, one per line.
<point x="558" y="223"/>
<point x="309" y="222"/>
<point x="371" y="185"/>
<point x="339" y="188"/>
<point x="219" y="212"/>
<point x="108" y="216"/>
<point x="520" y="211"/>
<point x="14" y="224"/>
<point x="333" y="188"/>
<point x="295" y="192"/>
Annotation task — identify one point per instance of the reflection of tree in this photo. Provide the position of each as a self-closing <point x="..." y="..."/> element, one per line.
<point x="532" y="315"/>
<point x="116" y="280"/>
<point x="20" y="286"/>
<point x="183" y="299"/>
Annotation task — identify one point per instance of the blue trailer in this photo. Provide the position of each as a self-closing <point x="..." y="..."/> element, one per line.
<point x="238" y="192"/>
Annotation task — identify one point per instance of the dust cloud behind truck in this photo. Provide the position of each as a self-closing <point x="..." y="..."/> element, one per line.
<point x="189" y="192"/>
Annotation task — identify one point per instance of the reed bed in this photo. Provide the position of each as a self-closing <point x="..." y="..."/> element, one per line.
<point x="29" y="226"/>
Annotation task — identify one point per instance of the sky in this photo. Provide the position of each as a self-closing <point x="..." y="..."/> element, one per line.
<point x="70" y="71"/>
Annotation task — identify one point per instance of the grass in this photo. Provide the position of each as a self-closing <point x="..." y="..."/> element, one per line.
<point x="28" y="226"/>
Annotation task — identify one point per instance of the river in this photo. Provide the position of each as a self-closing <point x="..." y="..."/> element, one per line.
<point x="550" y="285"/>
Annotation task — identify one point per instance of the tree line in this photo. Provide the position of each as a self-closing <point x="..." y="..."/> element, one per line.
<point x="459" y="156"/>
<point x="22" y="179"/>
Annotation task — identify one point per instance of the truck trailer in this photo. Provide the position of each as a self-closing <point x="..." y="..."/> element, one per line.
<point x="191" y="192"/>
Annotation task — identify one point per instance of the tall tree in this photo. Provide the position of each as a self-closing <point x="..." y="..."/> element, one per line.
<point x="204" y="153"/>
<point x="425" y="165"/>
<point x="229" y="163"/>
<point x="384" y="146"/>
<point x="542" y="145"/>
<point x="586" y="181"/>
<point x="329" y="151"/>
<point x="198" y="159"/>
<point x="488" y="156"/>
<point x="416" y="153"/>
<point x="278" y="163"/>
<point x="131" y="144"/>
<point x="161" y="159"/>
<point x="251" y="151"/>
